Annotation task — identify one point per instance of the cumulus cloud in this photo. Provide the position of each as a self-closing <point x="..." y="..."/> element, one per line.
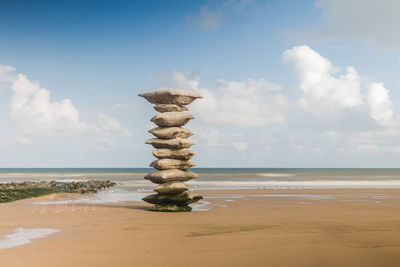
<point x="32" y="110"/>
<point x="380" y="104"/>
<point x="317" y="80"/>
<point x="35" y="114"/>
<point x="250" y="102"/>
<point x="366" y="20"/>
<point x="325" y="90"/>
<point x="335" y="112"/>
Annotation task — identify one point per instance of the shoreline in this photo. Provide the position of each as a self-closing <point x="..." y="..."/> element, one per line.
<point x="353" y="227"/>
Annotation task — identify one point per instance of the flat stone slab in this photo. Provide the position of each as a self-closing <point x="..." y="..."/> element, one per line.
<point x="172" y="119"/>
<point x="171" y="188"/>
<point x="160" y="177"/>
<point x="171" y="208"/>
<point x="169" y="108"/>
<point x="182" y="199"/>
<point x="176" y="143"/>
<point x="164" y="164"/>
<point x="170" y="96"/>
<point x="171" y="132"/>
<point x="165" y="153"/>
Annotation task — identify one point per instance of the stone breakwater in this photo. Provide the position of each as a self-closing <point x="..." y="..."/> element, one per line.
<point x="172" y="150"/>
<point x="82" y="187"/>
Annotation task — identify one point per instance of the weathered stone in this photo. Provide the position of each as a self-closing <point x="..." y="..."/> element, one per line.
<point x="176" y="143"/>
<point x="165" y="176"/>
<point x="171" y="188"/>
<point x="170" y="96"/>
<point x="164" y="164"/>
<point x="175" y="199"/>
<point x="169" y="108"/>
<point x="172" y="119"/>
<point x="171" y="132"/>
<point x="165" y="153"/>
<point x="171" y="208"/>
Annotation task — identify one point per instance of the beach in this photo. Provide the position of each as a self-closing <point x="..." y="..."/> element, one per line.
<point x="303" y="227"/>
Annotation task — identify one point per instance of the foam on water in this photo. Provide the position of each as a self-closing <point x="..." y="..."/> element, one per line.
<point x="275" y="184"/>
<point x="22" y="236"/>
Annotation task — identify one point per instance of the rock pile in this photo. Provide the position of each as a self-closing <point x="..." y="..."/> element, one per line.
<point x="172" y="150"/>
<point x="89" y="186"/>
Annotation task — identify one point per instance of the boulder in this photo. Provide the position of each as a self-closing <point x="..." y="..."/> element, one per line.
<point x="171" y="132"/>
<point x="160" y="177"/>
<point x="171" y="188"/>
<point x="165" y="153"/>
<point x="171" y="119"/>
<point x="164" y="164"/>
<point x="170" y="96"/>
<point x="169" y="108"/>
<point x="176" y="143"/>
<point x="181" y="199"/>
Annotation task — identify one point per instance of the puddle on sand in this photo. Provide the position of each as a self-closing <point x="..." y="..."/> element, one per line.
<point x="22" y="236"/>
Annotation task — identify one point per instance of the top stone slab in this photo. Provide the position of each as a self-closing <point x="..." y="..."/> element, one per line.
<point x="170" y="96"/>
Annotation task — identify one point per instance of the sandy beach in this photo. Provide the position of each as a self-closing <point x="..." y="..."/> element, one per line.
<point x="347" y="227"/>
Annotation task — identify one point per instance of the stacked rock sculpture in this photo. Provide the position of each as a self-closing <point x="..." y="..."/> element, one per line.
<point x="172" y="150"/>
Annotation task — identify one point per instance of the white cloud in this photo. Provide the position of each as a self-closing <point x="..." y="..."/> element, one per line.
<point x="35" y="114"/>
<point x="248" y="103"/>
<point x="185" y="80"/>
<point x="317" y="80"/>
<point x="328" y="94"/>
<point x="380" y="104"/>
<point x="32" y="110"/>
<point x="366" y="20"/>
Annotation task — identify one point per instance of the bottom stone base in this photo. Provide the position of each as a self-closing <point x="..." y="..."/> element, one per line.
<point x="170" y="208"/>
<point x="172" y="202"/>
<point x="182" y="199"/>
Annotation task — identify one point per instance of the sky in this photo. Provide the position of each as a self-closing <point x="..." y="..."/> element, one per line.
<point x="286" y="84"/>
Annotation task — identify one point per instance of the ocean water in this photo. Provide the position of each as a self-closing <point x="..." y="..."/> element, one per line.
<point x="131" y="179"/>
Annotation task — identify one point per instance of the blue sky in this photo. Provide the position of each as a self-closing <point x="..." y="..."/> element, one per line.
<point x="269" y="71"/>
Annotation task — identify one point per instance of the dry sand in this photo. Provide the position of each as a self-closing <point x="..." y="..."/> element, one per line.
<point x="354" y="228"/>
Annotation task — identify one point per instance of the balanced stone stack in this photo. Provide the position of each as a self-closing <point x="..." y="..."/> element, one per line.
<point x="172" y="150"/>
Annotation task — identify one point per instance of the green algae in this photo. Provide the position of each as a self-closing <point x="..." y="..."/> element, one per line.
<point x="8" y="195"/>
<point x="171" y="208"/>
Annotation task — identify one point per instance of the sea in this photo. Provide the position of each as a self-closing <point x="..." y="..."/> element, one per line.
<point x="132" y="179"/>
<point x="131" y="185"/>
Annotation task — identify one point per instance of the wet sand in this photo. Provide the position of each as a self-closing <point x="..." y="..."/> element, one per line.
<point x="343" y="227"/>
